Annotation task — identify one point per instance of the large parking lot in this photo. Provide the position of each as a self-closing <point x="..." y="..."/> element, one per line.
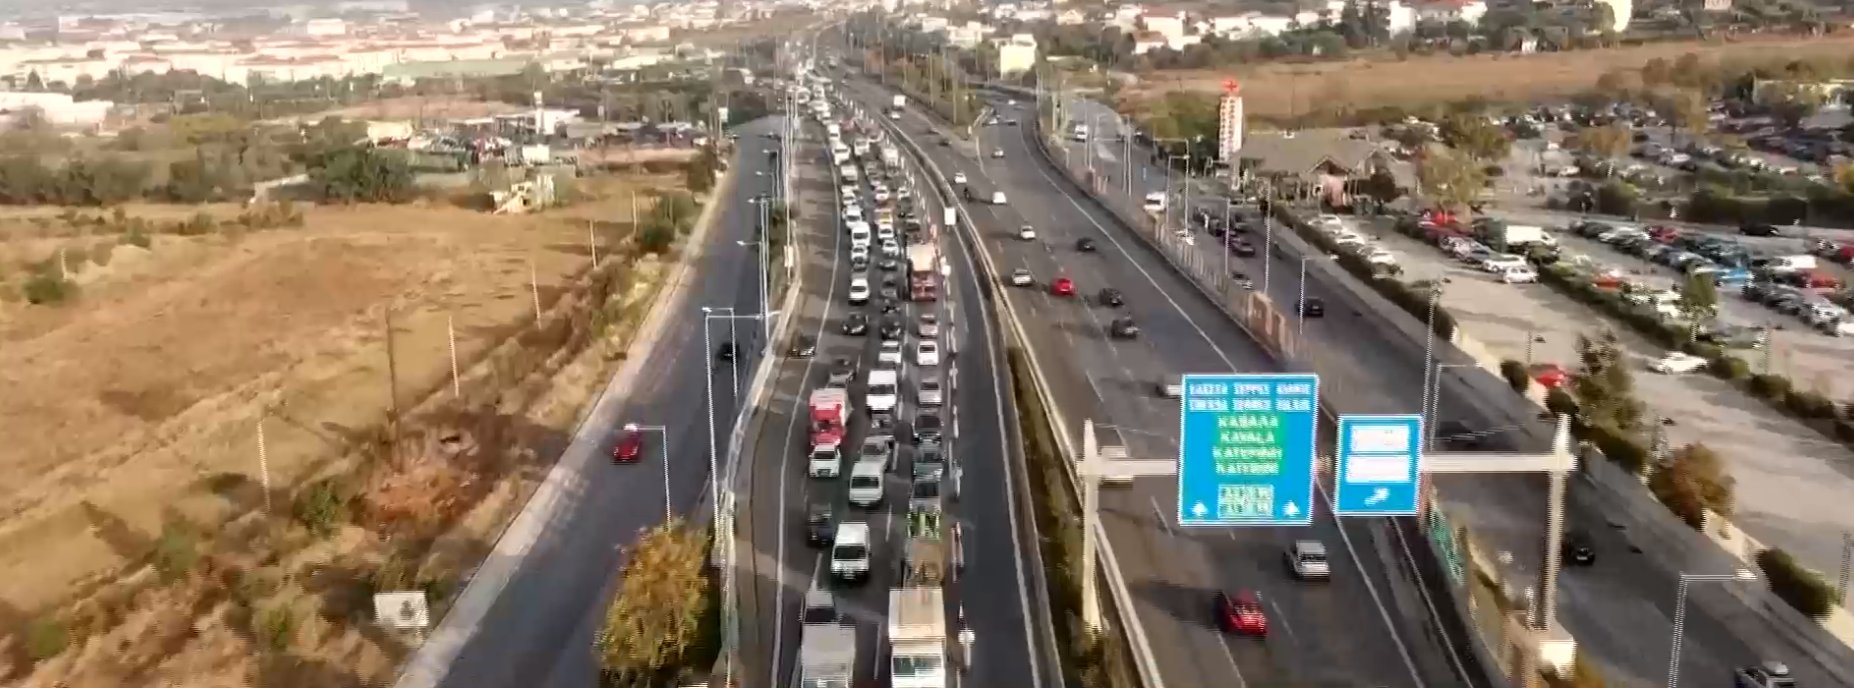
<point x="1791" y="481"/>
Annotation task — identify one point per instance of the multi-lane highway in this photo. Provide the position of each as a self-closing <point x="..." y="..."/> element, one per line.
<point x="1621" y="609"/>
<point x="1348" y="632"/>
<point x="539" y="631"/>
<point x="998" y="590"/>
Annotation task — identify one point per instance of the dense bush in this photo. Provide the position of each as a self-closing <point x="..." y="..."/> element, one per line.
<point x="1516" y="375"/>
<point x="47" y="637"/>
<point x="1691" y="482"/>
<point x="322" y="507"/>
<point x="1801" y="588"/>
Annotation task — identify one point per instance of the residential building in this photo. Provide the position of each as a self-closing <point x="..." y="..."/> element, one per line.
<point x="1169" y="27"/>
<point x="1017" y="55"/>
<point x="1450" y="11"/>
<point x="1071" y="18"/>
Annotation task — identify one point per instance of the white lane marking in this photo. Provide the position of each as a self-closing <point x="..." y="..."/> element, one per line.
<point x="791" y="426"/>
<point x="1274" y="612"/>
<point x="1159" y="515"/>
<point x="1223" y="644"/>
<point x="1352" y="552"/>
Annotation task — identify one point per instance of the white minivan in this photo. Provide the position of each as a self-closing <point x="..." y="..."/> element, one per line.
<point x="866" y="482"/>
<point x="859" y="235"/>
<point x="849" y="552"/>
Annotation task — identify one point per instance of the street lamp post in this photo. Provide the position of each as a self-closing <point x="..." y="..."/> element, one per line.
<point x="662" y="432"/>
<point x="1166" y="214"/>
<point x="1680" y="612"/>
<point x="1435" y="403"/>
<point x="1300" y="304"/>
<point x="1429" y="344"/>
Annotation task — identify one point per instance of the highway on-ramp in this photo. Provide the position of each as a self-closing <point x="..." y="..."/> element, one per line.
<point x="998" y="588"/>
<point x="1619" y="610"/>
<point x="540" y="630"/>
<point x="1347" y="632"/>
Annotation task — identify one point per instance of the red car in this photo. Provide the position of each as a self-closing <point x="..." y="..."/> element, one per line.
<point x="1063" y="286"/>
<point x="630" y="444"/>
<point x="1550" y="375"/>
<point x="1241" y="613"/>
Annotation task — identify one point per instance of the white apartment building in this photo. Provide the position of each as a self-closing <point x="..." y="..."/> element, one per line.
<point x="1450" y="11"/>
<point x="323" y="28"/>
<point x="1017" y="54"/>
<point x="1171" y="27"/>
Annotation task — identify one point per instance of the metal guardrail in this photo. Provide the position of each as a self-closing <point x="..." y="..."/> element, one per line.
<point x="1281" y="347"/>
<point x="1122" y="600"/>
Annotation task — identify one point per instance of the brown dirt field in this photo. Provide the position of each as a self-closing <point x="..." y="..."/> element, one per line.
<point x="414" y="107"/>
<point x="144" y="394"/>
<point x="1285" y="90"/>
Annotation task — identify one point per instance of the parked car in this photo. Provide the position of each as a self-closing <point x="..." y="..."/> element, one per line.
<point x="1677" y="362"/>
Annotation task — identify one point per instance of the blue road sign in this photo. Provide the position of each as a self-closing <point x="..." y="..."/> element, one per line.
<point x="1380" y="464"/>
<point x="1245" y="450"/>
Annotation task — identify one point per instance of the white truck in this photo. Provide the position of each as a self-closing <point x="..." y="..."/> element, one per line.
<point x="848" y="173"/>
<point x="917" y="637"/>
<point x="827" y="650"/>
<point x="891" y="156"/>
<point x="899" y="102"/>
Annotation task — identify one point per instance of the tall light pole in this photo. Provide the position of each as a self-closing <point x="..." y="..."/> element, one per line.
<point x="1680" y="612"/>
<point x="1300" y="303"/>
<point x="1429" y="344"/>
<point x="1167" y="211"/>
<point x="1432" y="414"/>
<point x="669" y="512"/>
<point x="733" y="338"/>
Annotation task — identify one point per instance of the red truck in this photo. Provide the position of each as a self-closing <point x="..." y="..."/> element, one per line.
<point x="830" y="410"/>
<point x="923" y="272"/>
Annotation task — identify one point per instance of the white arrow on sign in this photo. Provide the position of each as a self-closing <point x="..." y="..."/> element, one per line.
<point x="1377" y="496"/>
<point x="1290" y="510"/>
<point x="1199" y="510"/>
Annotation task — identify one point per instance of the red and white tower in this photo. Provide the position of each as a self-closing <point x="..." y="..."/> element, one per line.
<point x="1229" y="122"/>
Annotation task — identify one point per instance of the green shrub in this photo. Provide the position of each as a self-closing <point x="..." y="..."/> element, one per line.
<point x="47" y="637"/>
<point x="177" y="551"/>
<point x="657" y="237"/>
<point x="1626" y="451"/>
<point x="1801" y="588"/>
<point x="322" y="507"/>
<point x="274" y="628"/>
<point x="1728" y="367"/>
<point x="48" y="289"/>
<point x="1560" y="402"/>
<point x="1809" y="404"/>
<point x="1770" y="386"/>
<point x="1516" y="375"/>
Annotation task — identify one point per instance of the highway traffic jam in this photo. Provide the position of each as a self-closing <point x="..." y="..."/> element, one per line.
<point x="881" y="417"/>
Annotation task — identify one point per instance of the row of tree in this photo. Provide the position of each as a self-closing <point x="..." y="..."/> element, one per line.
<point x="661" y="624"/>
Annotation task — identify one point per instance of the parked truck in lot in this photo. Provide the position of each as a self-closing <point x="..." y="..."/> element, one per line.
<point x="923" y="272"/>
<point x="917" y="637"/>
<point x="830" y="411"/>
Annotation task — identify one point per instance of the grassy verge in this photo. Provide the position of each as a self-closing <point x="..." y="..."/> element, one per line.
<point x="1090" y="659"/>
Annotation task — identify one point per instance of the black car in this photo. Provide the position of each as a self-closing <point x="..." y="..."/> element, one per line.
<point x="1111" y="297"/>
<point x="819" y="528"/>
<point x="891" y="329"/>
<point x="1313" y="308"/>
<point x="856" y="324"/>
<point x="725" y="352"/>
<point x="1123" y="328"/>
<point x="1242" y="248"/>
<point x="890" y="304"/>
<point x="881" y="422"/>
<point x="1085" y="245"/>
<point x="1242" y="280"/>
<point x="1457" y="436"/>
<point x="928" y="427"/>
<point x="889" y="264"/>
<point x="1577" y="550"/>
<point x="804" y="346"/>
<point x="1760" y="230"/>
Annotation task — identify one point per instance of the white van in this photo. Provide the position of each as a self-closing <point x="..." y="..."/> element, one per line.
<point x="859" y="235"/>
<point x="866" y="482"/>
<point x="825" y="462"/>
<point x="1503" y="262"/>
<point x="1155" y="202"/>
<point x="883" y="390"/>
<point x="849" y="553"/>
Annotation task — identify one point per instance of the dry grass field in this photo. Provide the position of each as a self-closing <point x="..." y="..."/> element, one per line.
<point x="138" y="405"/>
<point x="1282" y="90"/>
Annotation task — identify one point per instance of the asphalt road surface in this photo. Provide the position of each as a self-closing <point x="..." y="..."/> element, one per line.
<point x="995" y="587"/>
<point x="540" y="631"/>
<point x="1340" y="632"/>
<point x="1621" y="609"/>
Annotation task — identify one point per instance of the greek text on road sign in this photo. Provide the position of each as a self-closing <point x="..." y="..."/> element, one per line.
<point x="1246" y="449"/>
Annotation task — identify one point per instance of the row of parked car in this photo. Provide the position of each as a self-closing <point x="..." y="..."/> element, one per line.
<point x="1793" y="285"/>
